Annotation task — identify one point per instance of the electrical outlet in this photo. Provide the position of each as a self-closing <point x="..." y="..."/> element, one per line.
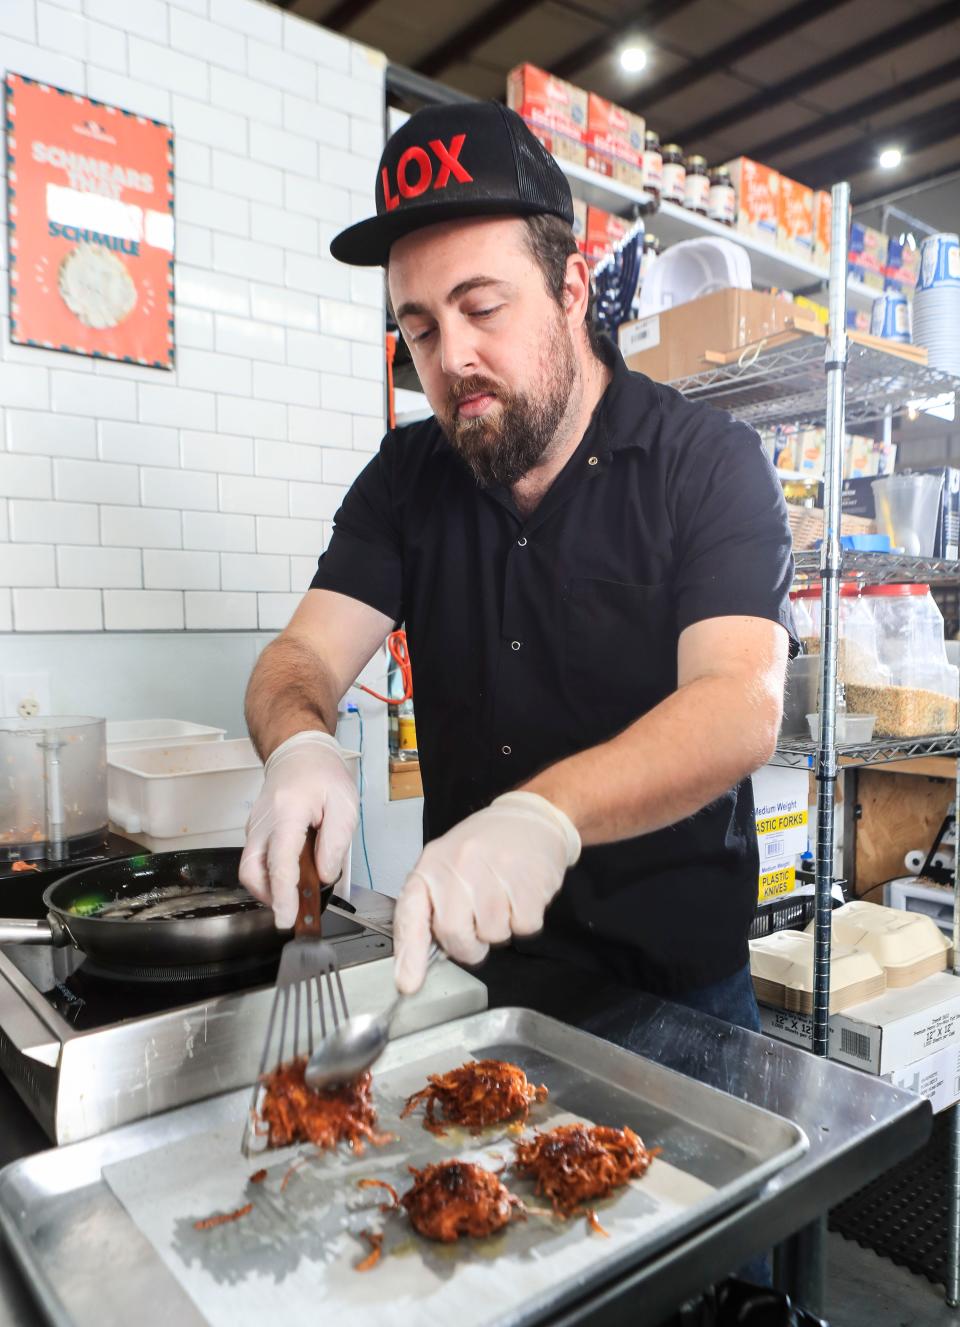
<point x="26" y="694"/>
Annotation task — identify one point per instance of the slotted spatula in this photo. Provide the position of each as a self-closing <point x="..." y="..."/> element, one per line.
<point x="308" y="974"/>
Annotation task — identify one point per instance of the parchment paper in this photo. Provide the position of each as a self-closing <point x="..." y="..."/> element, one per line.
<point x="297" y="1250"/>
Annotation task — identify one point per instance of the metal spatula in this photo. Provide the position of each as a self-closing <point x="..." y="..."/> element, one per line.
<point x="308" y="973"/>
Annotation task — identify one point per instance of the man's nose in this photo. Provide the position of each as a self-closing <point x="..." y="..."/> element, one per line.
<point x="458" y="355"/>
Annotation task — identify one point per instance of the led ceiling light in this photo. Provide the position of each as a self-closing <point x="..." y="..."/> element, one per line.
<point x="890" y="158"/>
<point x="633" y="59"/>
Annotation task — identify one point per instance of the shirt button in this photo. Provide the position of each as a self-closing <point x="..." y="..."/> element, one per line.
<point x="515" y="645"/>
<point x="506" y="750"/>
<point x="522" y="541"/>
<point x="592" y="460"/>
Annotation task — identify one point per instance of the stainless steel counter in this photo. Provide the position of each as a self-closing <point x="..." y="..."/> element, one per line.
<point x="857" y="1126"/>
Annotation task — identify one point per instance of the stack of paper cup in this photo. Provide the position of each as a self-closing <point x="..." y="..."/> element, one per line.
<point x="890" y="317"/>
<point x="936" y="305"/>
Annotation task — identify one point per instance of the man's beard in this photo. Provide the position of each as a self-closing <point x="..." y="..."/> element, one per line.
<point x="506" y="443"/>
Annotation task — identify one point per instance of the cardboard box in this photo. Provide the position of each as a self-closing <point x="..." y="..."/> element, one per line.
<point x="548" y="102"/>
<point x="580" y="224"/>
<point x="822" y="220"/>
<point x="898" y="1028"/>
<point x="758" y="192"/>
<point x="903" y="266"/>
<point x="604" y="230"/>
<point x="867" y="260"/>
<point x="671" y="344"/>
<point x="564" y="149"/>
<point x="615" y="141"/>
<point x="780" y="807"/>
<point x="795" y="219"/>
<point x="936" y="1077"/>
<point x="613" y="168"/>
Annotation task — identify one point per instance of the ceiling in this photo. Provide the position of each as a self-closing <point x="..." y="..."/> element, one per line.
<point x="814" y="88"/>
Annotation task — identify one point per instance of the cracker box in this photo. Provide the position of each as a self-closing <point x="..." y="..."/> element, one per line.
<point x="615" y="141"/>
<point x="795" y="219"/>
<point x="868" y="255"/>
<point x="604" y="231"/>
<point x="548" y="102"/>
<point x="563" y="148"/>
<point x="903" y="266"/>
<point x="758" y="191"/>
<point x="822" y="219"/>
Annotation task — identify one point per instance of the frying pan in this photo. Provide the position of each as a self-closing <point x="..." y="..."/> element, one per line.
<point x="232" y="925"/>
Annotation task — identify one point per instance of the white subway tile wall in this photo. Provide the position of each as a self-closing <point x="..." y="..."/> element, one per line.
<point x="200" y="499"/>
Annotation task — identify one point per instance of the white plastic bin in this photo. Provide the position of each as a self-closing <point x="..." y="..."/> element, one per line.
<point x="125" y="733"/>
<point x="187" y="789"/>
<point x="194" y="795"/>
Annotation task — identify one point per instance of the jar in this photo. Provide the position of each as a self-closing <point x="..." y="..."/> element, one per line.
<point x="859" y="663"/>
<point x="651" y="250"/>
<point x="652" y="171"/>
<point x="803" y="627"/>
<point x="722" y="199"/>
<point x="696" y="186"/>
<point x="921" y="697"/>
<point x="674" y="175"/>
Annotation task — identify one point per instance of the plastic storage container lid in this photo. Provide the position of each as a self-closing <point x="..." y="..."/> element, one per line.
<point x="893" y="590"/>
<point x="847" y="591"/>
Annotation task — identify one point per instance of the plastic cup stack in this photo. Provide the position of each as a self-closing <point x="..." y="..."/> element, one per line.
<point x="936" y="304"/>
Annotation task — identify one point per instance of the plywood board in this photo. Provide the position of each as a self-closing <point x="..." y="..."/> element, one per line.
<point x="899" y="813"/>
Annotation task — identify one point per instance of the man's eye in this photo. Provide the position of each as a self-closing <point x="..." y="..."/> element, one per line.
<point x="418" y="337"/>
<point x="485" y="313"/>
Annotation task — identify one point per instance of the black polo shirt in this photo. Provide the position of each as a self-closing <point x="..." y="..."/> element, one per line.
<point x="534" y="638"/>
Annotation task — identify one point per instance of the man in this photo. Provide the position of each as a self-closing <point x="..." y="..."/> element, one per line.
<point x="593" y="575"/>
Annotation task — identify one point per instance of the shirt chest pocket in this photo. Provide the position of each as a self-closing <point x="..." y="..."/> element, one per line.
<point x="621" y="651"/>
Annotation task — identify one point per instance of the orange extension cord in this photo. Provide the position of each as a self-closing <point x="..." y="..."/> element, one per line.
<point x="397" y="645"/>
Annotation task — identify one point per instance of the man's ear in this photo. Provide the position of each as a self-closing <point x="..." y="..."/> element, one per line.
<point x="576" y="287"/>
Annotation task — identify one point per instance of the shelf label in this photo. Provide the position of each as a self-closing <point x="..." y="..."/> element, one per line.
<point x="642" y="335"/>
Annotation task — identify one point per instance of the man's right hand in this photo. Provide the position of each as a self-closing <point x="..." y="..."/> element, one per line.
<point x="306" y="782"/>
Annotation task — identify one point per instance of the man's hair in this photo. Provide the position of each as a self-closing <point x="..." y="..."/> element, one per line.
<point x="551" y="242"/>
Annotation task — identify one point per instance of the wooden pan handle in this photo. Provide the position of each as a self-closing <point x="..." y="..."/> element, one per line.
<point x="308" y="914"/>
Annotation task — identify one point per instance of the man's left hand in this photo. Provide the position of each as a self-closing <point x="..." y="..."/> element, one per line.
<point x="490" y="877"/>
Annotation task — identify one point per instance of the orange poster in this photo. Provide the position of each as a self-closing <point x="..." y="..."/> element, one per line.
<point x="90" y="203"/>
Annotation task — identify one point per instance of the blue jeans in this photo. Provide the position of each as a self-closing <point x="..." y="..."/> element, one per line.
<point x="731" y="998"/>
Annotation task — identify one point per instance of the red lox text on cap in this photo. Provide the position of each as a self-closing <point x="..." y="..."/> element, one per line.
<point x="415" y="170"/>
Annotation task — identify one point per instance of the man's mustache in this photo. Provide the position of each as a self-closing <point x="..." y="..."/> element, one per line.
<point x="467" y="387"/>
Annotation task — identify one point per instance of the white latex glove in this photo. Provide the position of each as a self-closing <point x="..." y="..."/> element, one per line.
<point x="486" y="879"/>
<point x="306" y="782"/>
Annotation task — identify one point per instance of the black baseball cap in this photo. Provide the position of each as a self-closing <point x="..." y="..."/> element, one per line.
<point x="467" y="160"/>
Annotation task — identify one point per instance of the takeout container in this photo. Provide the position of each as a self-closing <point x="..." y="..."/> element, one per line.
<point x="781" y="966"/>
<point x="907" y="945"/>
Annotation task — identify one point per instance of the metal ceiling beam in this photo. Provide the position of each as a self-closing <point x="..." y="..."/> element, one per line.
<point x="880" y="101"/>
<point x="918" y="25"/>
<point x="343" y="14"/>
<point x="933" y="126"/>
<point x="649" y="14"/>
<point x="461" y="42"/>
<point x="932" y="180"/>
<point x="721" y="57"/>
